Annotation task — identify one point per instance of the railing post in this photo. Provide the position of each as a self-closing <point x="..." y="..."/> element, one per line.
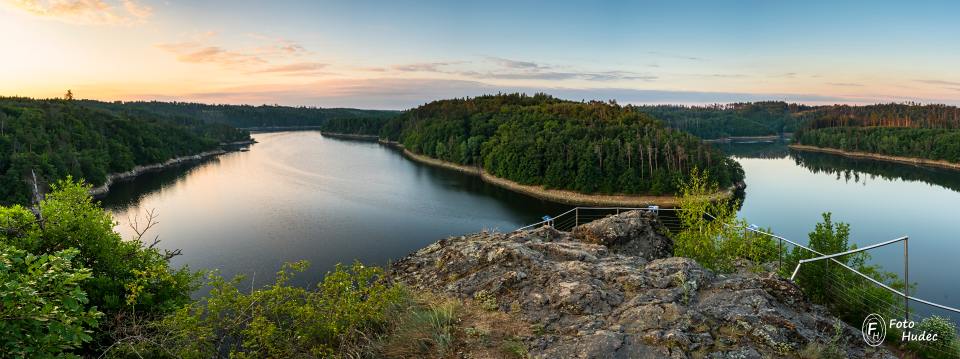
<point x="576" y="216"/>
<point x="906" y="280"/>
<point x="780" y="254"/>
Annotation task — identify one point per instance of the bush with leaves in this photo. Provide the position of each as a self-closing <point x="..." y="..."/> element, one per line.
<point x="712" y="234"/>
<point x="846" y="293"/>
<point x="946" y="345"/>
<point x="43" y="310"/>
<point x="121" y="277"/>
<point x="347" y="310"/>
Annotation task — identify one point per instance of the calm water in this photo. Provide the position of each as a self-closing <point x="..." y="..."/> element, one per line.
<point x="788" y="190"/>
<point x="298" y="195"/>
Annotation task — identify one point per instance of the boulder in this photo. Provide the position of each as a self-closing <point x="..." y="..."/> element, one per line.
<point x="635" y="233"/>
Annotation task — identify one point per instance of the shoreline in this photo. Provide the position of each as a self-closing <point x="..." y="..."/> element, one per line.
<point x="280" y="128"/>
<point x="104" y="189"/>
<point x="553" y="195"/>
<point x="735" y="139"/>
<point x="880" y="157"/>
<point x="350" y="136"/>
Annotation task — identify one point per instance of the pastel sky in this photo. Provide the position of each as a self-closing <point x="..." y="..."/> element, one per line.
<point x="397" y="54"/>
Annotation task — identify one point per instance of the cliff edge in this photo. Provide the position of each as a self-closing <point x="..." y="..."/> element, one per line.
<point x="611" y="289"/>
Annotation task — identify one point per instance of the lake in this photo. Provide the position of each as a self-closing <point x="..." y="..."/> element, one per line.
<point x="299" y="195"/>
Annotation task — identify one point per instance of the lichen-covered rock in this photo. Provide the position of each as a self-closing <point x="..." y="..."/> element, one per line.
<point x="635" y="233"/>
<point x="593" y="300"/>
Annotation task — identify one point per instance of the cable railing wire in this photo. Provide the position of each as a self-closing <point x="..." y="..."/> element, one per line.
<point x="579" y="218"/>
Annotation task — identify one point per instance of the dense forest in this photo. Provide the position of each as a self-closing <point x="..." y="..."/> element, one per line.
<point x="370" y="126"/>
<point x="910" y="115"/>
<point x="928" y="143"/>
<point x="59" y="138"/>
<point x="768" y="118"/>
<point x="907" y="130"/>
<point x="590" y="147"/>
<point x="243" y="116"/>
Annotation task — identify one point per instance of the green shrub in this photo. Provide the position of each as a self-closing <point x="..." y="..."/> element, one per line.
<point x="43" y="310"/>
<point x="347" y="310"/>
<point x="121" y="277"/>
<point x="847" y="294"/>
<point x="946" y="345"/>
<point x="712" y="234"/>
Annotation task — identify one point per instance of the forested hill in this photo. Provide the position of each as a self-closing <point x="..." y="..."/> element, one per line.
<point x="768" y="118"/>
<point x="589" y="147"/>
<point x="244" y="116"/>
<point x="905" y="130"/>
<point x="57" y="138"/>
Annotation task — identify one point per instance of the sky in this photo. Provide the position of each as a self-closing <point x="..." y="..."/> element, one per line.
<point x="399" y="54"/>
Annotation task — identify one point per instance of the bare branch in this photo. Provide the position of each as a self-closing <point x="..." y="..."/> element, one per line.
<point x="141" y="230"/>
<point x="134" y="223"/>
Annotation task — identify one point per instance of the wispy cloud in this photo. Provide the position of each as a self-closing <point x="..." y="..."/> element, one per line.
<point x="371" y="69"/>
<point x="514" y="64"/>
<point x="498" y="68"/>
<point x="197" y="54"/>
<point x="559" y="75"/>
<point x="845" y="84"/>
<point x="300" y="69"/>
<point x="278" y="46"/>
<point x="268" y="55"/>
<point x="86" y="12"/>
<point x="939" y="82"/>
<point x="425" y="67"/>
<point x="724" y="76"/>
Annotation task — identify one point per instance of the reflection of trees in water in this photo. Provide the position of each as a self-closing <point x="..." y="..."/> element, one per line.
<point x="845" y="168"/>
<point x="860" y="170"/>
<point x="766" y="150"/>
<point x="127" y="193"/>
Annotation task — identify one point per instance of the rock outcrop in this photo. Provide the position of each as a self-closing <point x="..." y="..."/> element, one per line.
<point x="632" y="233"/>
<point x="610" y="290"/>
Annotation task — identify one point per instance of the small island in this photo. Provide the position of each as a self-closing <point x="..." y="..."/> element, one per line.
<point x="581" y="153"/>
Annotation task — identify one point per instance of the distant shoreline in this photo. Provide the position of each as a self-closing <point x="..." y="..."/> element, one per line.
<point x="280" y="128"/>
<point x="350" y="136"/>
<point x="553" y="195"/>
<point x="730" y="139"/>
<point x="879" y="157"/>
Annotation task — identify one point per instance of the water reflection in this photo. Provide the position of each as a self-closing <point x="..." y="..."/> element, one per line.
<point x="789" y="190"/>
<point x="862" y="170"/>
<point x="773" y="149"/>
<point x="298" y="195"/>
<point x="846" y="169"/>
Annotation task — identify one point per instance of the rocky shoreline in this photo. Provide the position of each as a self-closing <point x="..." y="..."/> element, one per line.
<point x="112" y="178"/>
<point x="611" y="289"/>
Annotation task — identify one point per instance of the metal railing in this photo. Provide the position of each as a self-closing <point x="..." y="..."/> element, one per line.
<point x="578" y="215"/>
